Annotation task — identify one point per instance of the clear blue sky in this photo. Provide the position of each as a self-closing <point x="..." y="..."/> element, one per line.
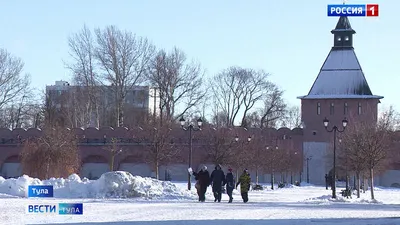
<point x="289" y="39"/>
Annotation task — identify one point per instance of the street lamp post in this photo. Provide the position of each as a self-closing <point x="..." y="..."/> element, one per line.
<point x="292" y="166"/>
<point x="273" y="167"/>
<point x="308" y="174"/>
<point x="346" y="167"/>
<point x="334" y="130"/>
<point x="242" y="145"/>
<point x="190" y="128"/>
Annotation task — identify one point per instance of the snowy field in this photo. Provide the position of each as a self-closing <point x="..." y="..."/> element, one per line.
<point x="163" y="203"/>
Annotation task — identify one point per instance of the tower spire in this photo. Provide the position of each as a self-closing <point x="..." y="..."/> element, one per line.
<point x="343" y="34"/>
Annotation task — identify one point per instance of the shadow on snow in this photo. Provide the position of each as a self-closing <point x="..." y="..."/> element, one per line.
<point x="332" y="221"/>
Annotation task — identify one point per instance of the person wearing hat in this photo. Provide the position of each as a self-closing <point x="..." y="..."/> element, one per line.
<point x="230" y="184"/>
<point x="203" y="180"/>
<point x="244" y="181"/>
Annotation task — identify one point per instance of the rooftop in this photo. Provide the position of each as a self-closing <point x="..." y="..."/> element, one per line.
<point x="341" y="75"/>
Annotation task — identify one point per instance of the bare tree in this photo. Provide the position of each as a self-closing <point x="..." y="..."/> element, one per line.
<point x="219" y="119"/>
<point x="114" y="149"/>
<point x="257" y="153"/>
<point x="366" y="149"/>
<point x="220" y="143"/>
<point x="179" y="83"/>
<point x="285" y="160"/>
<point x="124" y="59"/>
<point x="354" y="155"/>
<point x="82" y="51"/>
<point x="241" y="158"/>
<point x="56" y="109"/>
<point x="253" y="120"/>
<point x="291" y="117"/>
<point x="389" y="119"/>
<point x="273" y="108"/>
<point x="203" y="109"/>
<point x="54" y="154"/>
<point x="21" y="113"/>
<point x="160" y="148"/>
<point x="255" y="87"/>
<point x="12" y="83"/>
<point x="273" y="155"/>
<point x="237" y="89"/>
<point x="379" y="140"/>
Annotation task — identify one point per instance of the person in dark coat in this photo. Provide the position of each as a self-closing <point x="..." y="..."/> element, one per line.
<point x="244" y="181"/>
<point x="218" y="180"/>
<point x="326" y="181"/>
<point x="230" y="184"/>
<point x="203" y="181"/>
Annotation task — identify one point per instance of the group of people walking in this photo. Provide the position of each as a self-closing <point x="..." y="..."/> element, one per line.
<point x="218" y="180"/>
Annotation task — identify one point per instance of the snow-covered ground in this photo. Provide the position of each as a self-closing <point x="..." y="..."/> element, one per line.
<point x="122" y="199"/>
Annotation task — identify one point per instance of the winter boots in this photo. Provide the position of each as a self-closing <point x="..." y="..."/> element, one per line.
<point x="217" y="196"/>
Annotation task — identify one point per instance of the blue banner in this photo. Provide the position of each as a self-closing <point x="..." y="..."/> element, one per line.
<point x="347" y="10"/>
<point x="40" y="191"/>
<point x="70" y="208"/>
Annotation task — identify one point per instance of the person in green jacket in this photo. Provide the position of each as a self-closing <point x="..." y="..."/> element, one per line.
<point x="244" y="181"/>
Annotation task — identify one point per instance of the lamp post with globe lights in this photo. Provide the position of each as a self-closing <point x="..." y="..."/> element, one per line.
<point x="334" y="129"/>
<point x="190" y="128"/>
<point x="272" y="163"/>
<point x="237" y="139"/>
<point x="293" y="166"/>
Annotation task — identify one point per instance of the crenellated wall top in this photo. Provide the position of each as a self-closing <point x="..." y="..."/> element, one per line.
<point x="122" y="132"/>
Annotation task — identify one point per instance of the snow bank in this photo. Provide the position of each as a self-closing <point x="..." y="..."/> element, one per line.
<point x="118" y="184"/>
<point x="327" y="199"/>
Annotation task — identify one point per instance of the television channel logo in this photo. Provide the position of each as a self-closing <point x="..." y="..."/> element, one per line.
<point x="40" y="191"/>
<point x="60" y="209"/>
<point x="70" y="208"/>
<point x="41" y="209"/>
<point x="368" y="10"/>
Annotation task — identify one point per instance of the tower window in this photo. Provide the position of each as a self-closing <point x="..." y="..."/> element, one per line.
<point x="318" y="108"/>
<point x="359" y="108"/>
<point x="346" y="38"/>
<point x="339" y="38"/>
<point x="332" y="108"/>
<point x="345" y="108"/>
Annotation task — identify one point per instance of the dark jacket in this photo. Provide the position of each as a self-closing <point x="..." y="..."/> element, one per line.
<point x="217" y="179"/>
<point x="203" y="177"/>
<point x="230" y="183"/>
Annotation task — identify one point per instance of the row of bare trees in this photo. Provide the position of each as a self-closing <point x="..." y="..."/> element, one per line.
<point x="367" y="148"/>
<point x="124" y="60"/>
<point x="56" y="153"/>
<point x="108" y="64"/>
<point x="257" y="151"/>
<point x="17" y="108"/>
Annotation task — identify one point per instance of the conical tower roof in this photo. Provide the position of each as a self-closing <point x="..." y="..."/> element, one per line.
<point x="341" y="75"/>
<point x="343" y="24"/>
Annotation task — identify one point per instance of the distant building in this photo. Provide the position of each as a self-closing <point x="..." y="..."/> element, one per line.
<point x="140" y="101"/>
